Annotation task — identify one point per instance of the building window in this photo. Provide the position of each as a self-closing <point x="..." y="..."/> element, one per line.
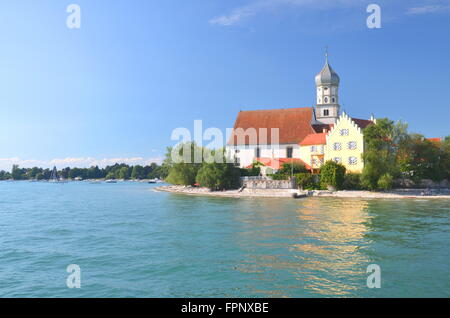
<point x="325" y="88"/>
<point x="351" y="145"/>
<point x="326" y="100"/>
<point x="352" y="160"/>
<point x="333" y="100"/>
<point x="258" y="152"/>
<point x="236" y="151"/>
<point x="313" y="148"/>
<point x="344" y="132"/>
<point x="337" y="146"/>
<point x="337" y="160"/>
<point x="289" y="151"/>
<point x="326" y="112"/>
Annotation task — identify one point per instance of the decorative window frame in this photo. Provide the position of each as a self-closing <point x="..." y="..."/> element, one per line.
<point x="352" y="145"/>
<point x="337" y="146"/>
<point x="352" y="161"/>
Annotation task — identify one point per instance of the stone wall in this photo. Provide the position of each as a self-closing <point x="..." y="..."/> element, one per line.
<point x="268" y="184"/>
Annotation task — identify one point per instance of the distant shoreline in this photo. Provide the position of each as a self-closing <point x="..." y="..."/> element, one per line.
<point x="289" y="193"/>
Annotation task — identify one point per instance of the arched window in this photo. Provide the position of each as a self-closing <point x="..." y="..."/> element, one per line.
<point x="326" y="100"/>
<point x="333" y="100"/>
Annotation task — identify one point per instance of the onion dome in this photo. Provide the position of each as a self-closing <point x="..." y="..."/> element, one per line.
<point x="327" y="75"/>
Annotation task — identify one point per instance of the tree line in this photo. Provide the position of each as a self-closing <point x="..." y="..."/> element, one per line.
<point x="117" y="171"/>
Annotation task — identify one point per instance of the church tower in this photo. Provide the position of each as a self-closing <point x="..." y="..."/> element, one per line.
<point x="327" y="84"/>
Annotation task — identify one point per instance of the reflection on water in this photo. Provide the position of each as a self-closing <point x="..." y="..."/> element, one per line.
<point x="316" y="244"/>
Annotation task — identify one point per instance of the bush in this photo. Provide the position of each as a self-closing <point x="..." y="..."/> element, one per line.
<point x="252" y="172"/>
<point x="219" y="176"/>
<point x="278" y="176"/>
<point x="385" y="182"/>
<point x="332" y="174"/>
<point x="307" y="181"/>
<point x="183" y="173"/>
<point x="352" y="181"/>
<point x="288" y="168"/>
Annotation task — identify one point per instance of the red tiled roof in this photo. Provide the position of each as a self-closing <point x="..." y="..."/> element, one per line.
<point x="293" y="124"/>
<point x="277" y="163"/>
<point x="435" y="140"/>
<point x="314" y="139"/>
<point x="362" y="123"/>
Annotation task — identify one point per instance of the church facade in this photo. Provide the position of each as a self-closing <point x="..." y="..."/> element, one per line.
<point x="309" y="135"/>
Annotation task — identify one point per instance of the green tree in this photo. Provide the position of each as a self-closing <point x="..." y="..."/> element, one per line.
<point x="137" y="172"/>
<point x="17" y="173"/>
<point x="382" y="143"/>
<point x="183" y="169"/>
<point x="288" y="169"/>
<point x="123" y="173"/>
<point x="219" y="176"/>
<point x="421" y="159"/>
<point x="332" y="174"/>
<point x="306" y="181"/>
<point x="385" y="182"/>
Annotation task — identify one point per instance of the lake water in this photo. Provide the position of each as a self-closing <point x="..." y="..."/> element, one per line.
<point x="130" y="241"/>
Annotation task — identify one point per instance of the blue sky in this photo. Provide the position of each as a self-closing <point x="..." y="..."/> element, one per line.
<point x="116" y="88"/>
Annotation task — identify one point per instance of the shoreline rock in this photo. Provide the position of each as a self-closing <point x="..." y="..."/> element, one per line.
<point x="292" y="193"/>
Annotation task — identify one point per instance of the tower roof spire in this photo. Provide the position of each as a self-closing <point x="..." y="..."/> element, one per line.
<point x="327" y="76"/>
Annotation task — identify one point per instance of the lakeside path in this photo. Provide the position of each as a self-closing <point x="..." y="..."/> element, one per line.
<point x="289" y="193"/>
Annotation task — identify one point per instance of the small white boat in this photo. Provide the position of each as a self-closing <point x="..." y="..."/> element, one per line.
<point x="111" y="181"/>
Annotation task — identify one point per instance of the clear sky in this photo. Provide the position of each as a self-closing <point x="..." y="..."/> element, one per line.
<point x="116" y="88"/>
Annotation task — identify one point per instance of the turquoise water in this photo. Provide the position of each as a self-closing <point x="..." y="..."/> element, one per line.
<point x="132" y="242"/>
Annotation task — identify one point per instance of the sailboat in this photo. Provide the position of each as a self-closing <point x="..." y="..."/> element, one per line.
<point x="54" y="178"/>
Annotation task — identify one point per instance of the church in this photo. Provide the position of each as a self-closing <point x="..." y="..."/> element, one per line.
<point x="309" y="135"/>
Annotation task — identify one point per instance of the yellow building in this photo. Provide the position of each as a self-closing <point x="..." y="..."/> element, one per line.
<point x="345" y="143"/>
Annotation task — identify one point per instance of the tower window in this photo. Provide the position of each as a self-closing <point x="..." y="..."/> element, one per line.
<point x="325" y="88"/>
<point x="333" y="100"/>
<point x="326" y="112"/>
<point x="326" y="100"/>
<point x="258" y="152"/>
<point x="289" y="151"/>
